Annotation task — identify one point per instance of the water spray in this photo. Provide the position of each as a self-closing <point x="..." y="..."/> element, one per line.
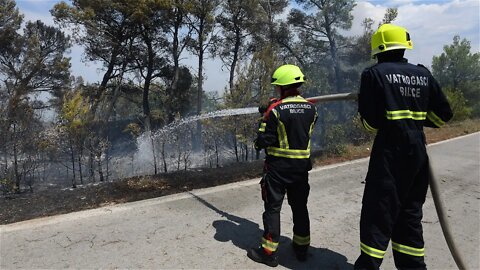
<point x="245" y="111"/>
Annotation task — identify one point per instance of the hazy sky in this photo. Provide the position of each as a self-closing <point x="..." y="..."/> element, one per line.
<point x="431" y="23"/>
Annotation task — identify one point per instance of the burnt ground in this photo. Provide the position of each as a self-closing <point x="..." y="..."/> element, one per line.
<point x="54" y="201"/>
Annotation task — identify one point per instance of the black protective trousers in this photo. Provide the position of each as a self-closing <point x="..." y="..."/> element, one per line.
<point x="395" y="190"/>
<point x="295" y="185"/>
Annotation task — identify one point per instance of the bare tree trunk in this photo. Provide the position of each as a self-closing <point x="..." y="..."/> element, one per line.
<point x="15" y="161"/>
<point x="15" y="168"/>
<point x="147" y="82"/>
<point x="178" y="157"/>
<point x="186" y="156"/>
<point x="217" y="154"/>
<point x="100" y="170"/>
<point x="44" y="172"/>
<point x="107" y="159"/>
<point x="235" y="144"/>
<point x="246" y="152"/>
<point x="164" y="159"/>
<point x="198" y="141"/>
<point x="32" y="178"/>
<point x="233" y="65"/>
<point x="91" y="165"/>
<point x="133" y="165"/>
<point x="72" y="156"/>
<point x="152" y="141"/>
<point x="80" y="165"/>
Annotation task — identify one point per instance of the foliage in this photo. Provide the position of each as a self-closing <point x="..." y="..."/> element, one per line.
<point x="458" y="68"/>
<point x="32" y="61"/>
<point x="202" y="20"/>
<point x="133" y="129"/>
<point x="318" y="25"/>
<point x="356" y="133"/>
<point x="458" y="104"/>
<point x="74" y="113"/>
<point x="237" y="22"/>
<point x="335" y="139"/>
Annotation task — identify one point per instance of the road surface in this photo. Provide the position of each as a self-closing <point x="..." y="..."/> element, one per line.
<point x="213" y="228"/>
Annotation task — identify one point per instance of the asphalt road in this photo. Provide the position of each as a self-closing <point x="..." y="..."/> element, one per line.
<point x="213" y="228"/>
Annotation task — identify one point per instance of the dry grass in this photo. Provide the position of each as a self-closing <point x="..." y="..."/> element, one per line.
<point x="451" y="130"/>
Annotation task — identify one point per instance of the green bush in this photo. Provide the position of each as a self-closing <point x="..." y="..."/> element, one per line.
<point x="357" y="133"/>
<point x="335" y="138"/>
<point x="458" y="104"/>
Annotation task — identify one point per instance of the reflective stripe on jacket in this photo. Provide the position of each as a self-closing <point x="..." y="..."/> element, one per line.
<point x="401" y="96"/>
<point x="286" y="134"/>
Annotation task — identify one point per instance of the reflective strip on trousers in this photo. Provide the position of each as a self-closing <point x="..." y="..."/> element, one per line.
<point x="269" y="245"/>
<point x="288" y="153"/>
<point x="419" y="252"/>
<point x="435" y="119"/>
<point x="405" y="114"/>
<point x="301" y="240"/>
<point x="373" y="252"/>
<point x="367" y="126"/>
<point x="262" y="127"/>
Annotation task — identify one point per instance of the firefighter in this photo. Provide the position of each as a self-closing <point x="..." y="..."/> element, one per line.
<point x="285" y="133"/>
<point x="397" y="100"/>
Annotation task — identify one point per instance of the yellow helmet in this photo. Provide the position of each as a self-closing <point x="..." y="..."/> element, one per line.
<point x="390" y="37"/>
<point x="287" y="74"/>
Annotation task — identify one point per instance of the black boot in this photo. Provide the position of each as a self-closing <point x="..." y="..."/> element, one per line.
<point x="259" y="255"/>
<point x="300" y="252"/>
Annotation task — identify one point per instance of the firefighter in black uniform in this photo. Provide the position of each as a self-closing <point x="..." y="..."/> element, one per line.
<point x="285" y="133"/>
<point x="397" y="100"/>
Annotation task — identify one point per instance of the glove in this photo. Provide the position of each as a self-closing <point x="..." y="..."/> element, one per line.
<point x="264" y="107"/>
<point x="255" y="145"/>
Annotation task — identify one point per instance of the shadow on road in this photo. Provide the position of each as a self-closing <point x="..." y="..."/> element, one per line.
<point x="246" y="234"/>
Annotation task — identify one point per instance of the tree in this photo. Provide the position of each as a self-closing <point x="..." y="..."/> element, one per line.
<point x="178" y="34"/>
<point x="458" y="104"/>
<point x="74" y="129"/>
<point x="150" y="49"/>
<point x="31" y="62"/>
<point x="319" y="28"/>
<point x="266" y="31"/>
<point x="390" y="15"/>
<point x="236" y="19"/>
<point x="10" y="22"/>
<point x="267" y="55"/>
<point x="36" y="63"/>
<point x="106" y="29"/>
<point x="458" y="69"/>
<point x="202" y="20"/>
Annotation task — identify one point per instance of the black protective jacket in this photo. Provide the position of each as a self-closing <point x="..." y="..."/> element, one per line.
<point x="401" y="97"/>
<point x="285" y="133"/>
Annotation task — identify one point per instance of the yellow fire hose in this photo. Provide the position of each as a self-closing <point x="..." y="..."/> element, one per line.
<point x="442" y="217"/>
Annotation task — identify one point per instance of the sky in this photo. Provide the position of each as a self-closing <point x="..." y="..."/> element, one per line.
<point x="432" y="24"/>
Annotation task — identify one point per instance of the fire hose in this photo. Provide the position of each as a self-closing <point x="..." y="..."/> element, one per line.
<point x="437" y="200"/>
